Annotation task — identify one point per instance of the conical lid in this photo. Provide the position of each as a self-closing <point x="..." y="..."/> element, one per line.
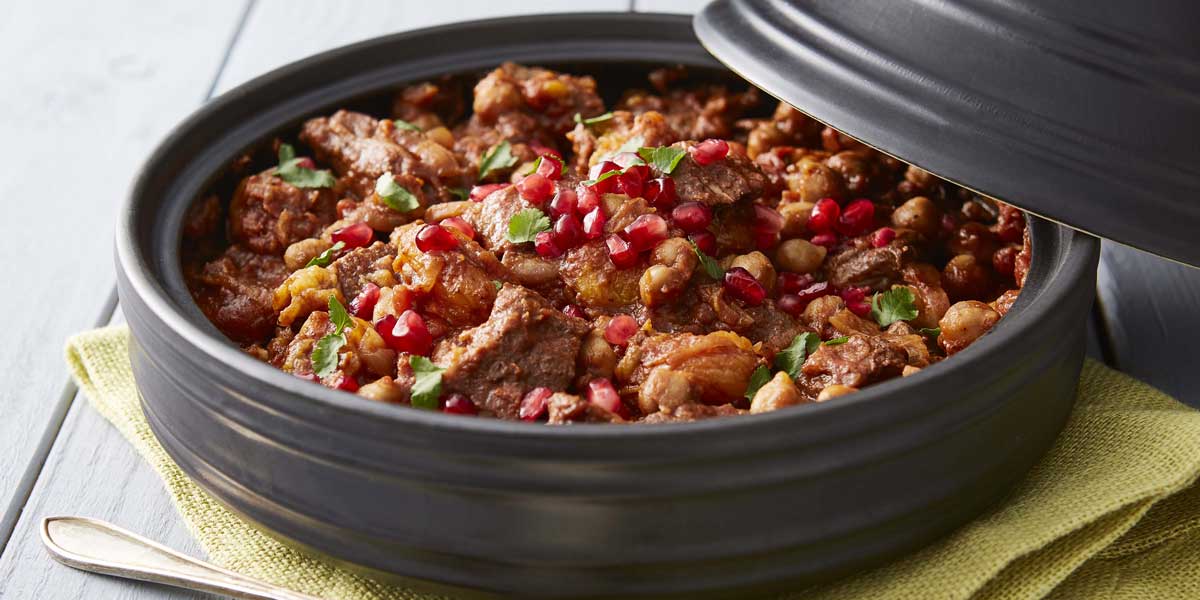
<point x="1083" y="111"/>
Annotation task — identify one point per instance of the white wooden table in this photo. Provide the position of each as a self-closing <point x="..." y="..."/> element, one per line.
<point x="88" y="90"/>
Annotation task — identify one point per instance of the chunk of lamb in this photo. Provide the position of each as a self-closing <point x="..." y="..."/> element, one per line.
<point x="600" y="141"/>
<point x="267" y="214"/>
<point x="668" y="395"/>
<point x="551" y="98"/>
<point x="733" y="179"/>
<point x="235" y="291"/>
<point x="717" y="365"/>
<point x="861" y="360"/>
<point x="361" y="266"/>
<point x="563" y="408"/>
<point x="490" y="217"/>
<point x="455" y="285"/>
<point x="521" y="346"/>
<point x="695" y="112"/>
<point x="860" y="264"/>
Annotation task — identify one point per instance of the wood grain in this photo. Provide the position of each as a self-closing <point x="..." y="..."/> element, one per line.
<point x="89" y="88"/>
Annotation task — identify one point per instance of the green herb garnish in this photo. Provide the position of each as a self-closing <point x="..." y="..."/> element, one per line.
<point x="428" y="385"/>
<point x="394" y="195"/>
<point x="325" y="354"/>
<point x="758" y="378"/>
<point x="710" y="266"/>
<point x="838" y="341"/>
<point x="663" y="158"/>
<point x="323" y="259"/>
<point x="289" y="170"/>
<point x="790" y="359"/>
<point x="526" y="224"/>
<point x="402" y="124"/>
<point x="930" y="332"/>
<point x="896" y="304"/>
<point x="460" y="193"/>
<point x="603" y="176"/>
<point x="496" y="282"/>
<point x="592" y="120"/>
<point x="498" y="157"/>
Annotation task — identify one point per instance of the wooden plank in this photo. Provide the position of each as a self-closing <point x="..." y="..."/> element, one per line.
<point x="1149" y="308"/>
<point x="89" y="88"/>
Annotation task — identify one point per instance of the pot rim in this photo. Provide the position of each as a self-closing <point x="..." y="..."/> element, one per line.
<point x="1050" y="283"/>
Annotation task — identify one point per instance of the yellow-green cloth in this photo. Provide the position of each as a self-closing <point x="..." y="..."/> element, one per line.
<point x="1112" y="511"/>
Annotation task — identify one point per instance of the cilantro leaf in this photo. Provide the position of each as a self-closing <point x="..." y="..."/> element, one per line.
<point x="402" y="124"/>
<point x="428" y="385"/>
<point x="791" y="358"/>
<point x="496" y="282"/>
<point x="663" y="158"/>
<point x="289" y="170"/>
<point x="394" y="195"/>
<point x="758" y="378"/>
<point x="603" y="176"/>
<point x="593" y="120"/>
<point x="323" y="259"/>
<point x="498" y="157"/>
<point x="710" y="266"/>
<point x="338" y="314"/>
<point x="838" y="341"/>
<point x="631" y="145"/>
<point x="930" y="332"/>
<point x="460" y="193"/>
<point x="896" y="304"/>
<point x="526" y="224"/>
<point x="325" y="353"/>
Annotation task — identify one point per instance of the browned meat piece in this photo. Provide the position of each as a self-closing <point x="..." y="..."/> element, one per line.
<point x="1004" y="302"/>
<point x="362" y="265"/>
<point x="693" y="412"/>
<point x="569" y="408"/>
<point x="787" y="127"/>
<point x="429" y="103"/>
<point x="597" y="283"/>
<point x="624" y="130"/>
<point x="267" y="213"/>
<point x="860" y="264"/>
<point x="364" y="353"/>
<point x="235" y="292"/>
<point x="862" y="170"/>
<point x="525" y="343"/>
<point x="727" y="181"/>
<point x="717" y="365"/>
<point x="490" y="218"/>
<point x="474" y="138"/>
<point x="856" y="363"/>
<point x="931" y="300"/>
<point x="697" y="112"/>
<point x="203" y="219"/>
<point x="811" y="179"/>
<point x="455" y="285"/>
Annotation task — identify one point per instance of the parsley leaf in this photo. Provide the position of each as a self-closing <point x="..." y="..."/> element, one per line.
<point x="663" y="158"/>
<point x="758" y="378"/>
<point x="631" y="145"/>
<point x="289" y="170"/>
<point x="603" y="176"/>
<point x="791" y="358"/>
<point x="930" y="332"/>
<point x="496" y="282"/>
<point x="323" y="259"/>
<point x="394" y="195"/>
<point x="710" y="266"/>
<point x="526" y="224"/>
<point x="498" y="157"/>
<point x="460" y="193"/>
<point x="896" y="304"/>
<point x="402" y="124"/>
<point x="838" y="341"/>
<point x="428" y="385"/>
<point x="593" y="120"/>
<point x="325" y="353"/>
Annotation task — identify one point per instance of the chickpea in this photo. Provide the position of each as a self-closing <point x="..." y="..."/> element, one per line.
<point x="813" y="180"/>
<point x="964" y="323"/>
<point x="664" y="389"/>
<point x="384" y="389"/>
<point x="663" y="281"/>
<point x="965" y="278"/>
<point x="441" y="136"/>
<point x="656" y="285"/>
<point x="973" y="238"/>
<point x="299" y="253"/>
<point x="795" y="217"/>
<point x="778" y="393"/>
<point x="676" y="253"/>
<point x="530" y="269"/>
<point x="918" y="214"/>
<point x="596" y="357"/>
<point x="759" y="266"/>
<point x="835" y="390"/>
<point x="800" y="256"/>
<point x="445" y="210"/>
<point x="920" y="178"/>
<point x="909" y="370"/>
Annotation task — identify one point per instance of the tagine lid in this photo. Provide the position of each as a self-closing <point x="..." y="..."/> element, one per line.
<point x="1086" y="112"/>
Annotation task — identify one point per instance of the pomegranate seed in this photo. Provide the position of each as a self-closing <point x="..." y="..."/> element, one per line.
<point x="743" y="286"/>
<point x="406" y="333"/>
<point x="306" y="163"/>
<point x="857" y="218"/>
<point x="660" y="192"/>
<point x="355" y="235"/>
<point x="363" y="305"/>
<point x="692" y="216"/>
<point x="641" y="171"/>
<point x="565" y="202"/>
<point x="479" y="192"/>
<point x="791" y="304"/>
<point x="606" y="186"/>
<point x="765" y="240"/>
<point x="550" y="167"/>
<point x="573" y="310"/>
<point x="828" y="240"/>
<point x="342" y="382"/>
<point x="587" y="199"/>
<point x="460" y="224"/>
<point x="767" y="219"/>
<point x="458" y="404"/>
<point x="824" y="215"/>
<point x="535" y="189"/>
<point x="602" y="393"/>
<point x="435" y="237"/>
<point x="307" y="376"/>
<point x="620" y="328"/>
<point x="883" y="236"/>
<point x="709" y="151"/>
<point x="593" y="224"/>
<point x="567" y="231"/>
<point x="629" y="183"/>
<point x="856" y="300"/>
<point x="542" y="150"/>
<point x="646" y="231"/>
<point x="620" y="252"/>
<point x="627" y="159"/>
<point x="533" y="405"/>
<point x="705" y="241"/>
<point x="814" y="291"/>
<point x="792" y="283"/>
<point x="545" y="245"/>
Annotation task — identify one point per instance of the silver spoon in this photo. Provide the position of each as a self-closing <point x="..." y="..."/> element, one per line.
<point x="104" y="548"/>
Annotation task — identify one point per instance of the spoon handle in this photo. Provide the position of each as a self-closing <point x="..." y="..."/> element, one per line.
<point x="100" y="547"/>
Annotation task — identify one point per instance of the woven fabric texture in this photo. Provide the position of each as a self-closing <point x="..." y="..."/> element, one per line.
<point x="1112" y="511"/>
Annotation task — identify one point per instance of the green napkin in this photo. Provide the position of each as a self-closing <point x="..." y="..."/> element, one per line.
<point x="1111" y="512"/>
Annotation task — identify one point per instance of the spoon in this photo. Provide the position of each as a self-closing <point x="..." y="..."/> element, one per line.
<point x="100" y="547"/>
